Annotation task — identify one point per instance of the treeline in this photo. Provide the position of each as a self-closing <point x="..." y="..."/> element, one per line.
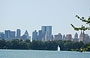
<point x="39" y="45"/>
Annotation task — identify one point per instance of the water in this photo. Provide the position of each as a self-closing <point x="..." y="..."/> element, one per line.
<point x="42" y="54"/>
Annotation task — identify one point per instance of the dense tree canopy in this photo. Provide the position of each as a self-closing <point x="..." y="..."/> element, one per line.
<point x="39" y="45"/>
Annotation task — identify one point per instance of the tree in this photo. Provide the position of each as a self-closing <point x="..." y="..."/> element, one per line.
<point x="2" y="43"/>
<point x="83" y="28"/>
<point x="87" y="21"/>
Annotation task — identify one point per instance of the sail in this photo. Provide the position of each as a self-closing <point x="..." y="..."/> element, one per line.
<point x="58" y="48"/>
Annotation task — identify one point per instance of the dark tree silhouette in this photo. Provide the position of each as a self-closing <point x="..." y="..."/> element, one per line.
<point x="87" y="21"/>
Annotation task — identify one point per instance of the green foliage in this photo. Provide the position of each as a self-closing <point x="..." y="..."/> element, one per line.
<point x="39" y="45"/>
<point x="87" y="21"/>
<point x="85" y="47"/>
<point x="2" y="43"/>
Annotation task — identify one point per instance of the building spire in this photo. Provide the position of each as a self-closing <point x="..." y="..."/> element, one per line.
<point x="26" y="33"/>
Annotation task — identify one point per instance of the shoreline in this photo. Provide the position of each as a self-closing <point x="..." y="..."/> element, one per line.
<point x="40" y="50"/>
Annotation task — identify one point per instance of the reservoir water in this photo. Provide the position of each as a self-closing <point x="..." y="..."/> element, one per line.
<point x="42" y="54"/>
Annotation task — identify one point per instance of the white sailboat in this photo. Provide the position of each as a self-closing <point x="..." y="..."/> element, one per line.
<point x="58" y="48"/>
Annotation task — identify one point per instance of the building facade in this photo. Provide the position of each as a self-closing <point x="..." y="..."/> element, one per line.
<point x="58" y="37"/>
<point x="76" y="39"/>
<point x="46" y="33"/>
<point x="69" y="37"/>
<point x="18" y="34"/>
<point x="34" y="35"/>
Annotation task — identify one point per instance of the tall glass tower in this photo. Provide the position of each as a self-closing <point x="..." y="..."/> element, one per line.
<point x="46" y="33"/>
<point x="9" y="35"/>
<point x="34" y="35"/>
<point x="18" y="33"/>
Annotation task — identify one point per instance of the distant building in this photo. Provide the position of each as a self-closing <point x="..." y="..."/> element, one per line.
<point x="69" y="37"/>
<point x="1" y="35"/>
<point x="87" y="39"/>
<point x="46" y="33"/>
<point x="25" y="36"/>
<point x="34" y="35"/>
<point x="12" y="34"/>
<point x="82" y="36"/>
<point x="58" y="37"/>
<point x="18" y="35"/>
<point x="40" y="35"/>
<point x="63" y="37"/>
<point x="76" y="39"/>
<point x="9" y="35"/>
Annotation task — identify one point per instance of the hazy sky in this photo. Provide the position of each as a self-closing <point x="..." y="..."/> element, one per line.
<point x="30" y="15"/>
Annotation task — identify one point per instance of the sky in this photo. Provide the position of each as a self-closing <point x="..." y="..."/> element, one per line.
<point x="30" y="15"/>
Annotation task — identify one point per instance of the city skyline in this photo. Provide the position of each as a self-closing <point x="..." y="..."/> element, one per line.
<point x="30" y="15"/>
<point x="30" y="34"/>
<point x="20" y="33"/>
<point x="44" y="34"/>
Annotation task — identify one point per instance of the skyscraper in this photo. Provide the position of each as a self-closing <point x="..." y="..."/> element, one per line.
<point x="76" y="37"/>
<point x="87" y="39"/>
<point x="26" y="33"/>
<point x="82" y="36"/>
<point x="64" y="38"/>
<point x="9" y="35"/>
<point x="58" y="37"/>
<point x="1" y="35"/>
<point x="18" y="35"/>
<point x="12" y="34"/>
<point x="46" y="33"/>
<point x="40" y="35"/>
<point x="69" y="37"/>
<point x="26" y="36"/>
<point x="34" y="35"/>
